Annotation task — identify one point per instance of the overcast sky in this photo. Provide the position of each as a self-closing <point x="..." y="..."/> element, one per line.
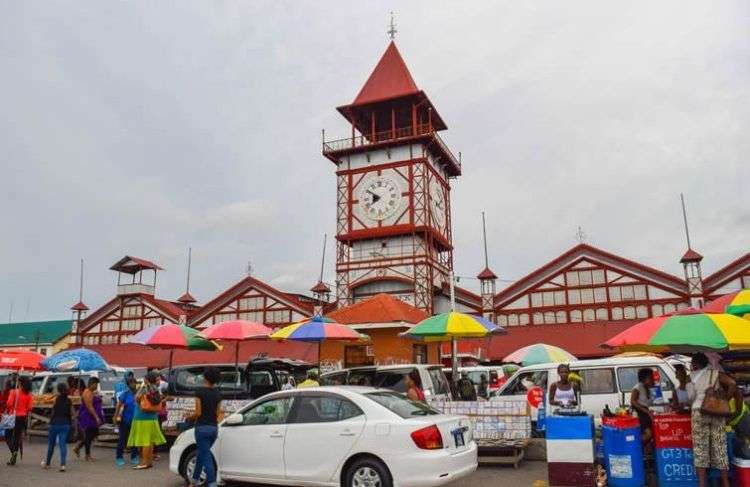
<point x="142" y="128"/>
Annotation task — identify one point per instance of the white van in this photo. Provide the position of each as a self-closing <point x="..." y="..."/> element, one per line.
<point x="605" y="381"/>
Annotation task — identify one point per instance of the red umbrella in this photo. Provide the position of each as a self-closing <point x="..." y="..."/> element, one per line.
<point x="237" y="331"/>
<point x="21" y="359"/>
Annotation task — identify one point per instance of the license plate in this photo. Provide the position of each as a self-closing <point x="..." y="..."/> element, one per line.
<point x="458" y="437"/>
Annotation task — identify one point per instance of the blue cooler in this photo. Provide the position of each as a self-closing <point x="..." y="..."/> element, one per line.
<point x="623" y="453"/>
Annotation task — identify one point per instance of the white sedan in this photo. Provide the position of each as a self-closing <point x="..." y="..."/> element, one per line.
<point x="337" y="436"/>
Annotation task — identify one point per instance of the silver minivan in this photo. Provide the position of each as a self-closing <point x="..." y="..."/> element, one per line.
<point x="605" y="382"/>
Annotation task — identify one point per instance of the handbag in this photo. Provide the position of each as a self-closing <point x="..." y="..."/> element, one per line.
<point x="149" y="407"/>
<point x="716" y="403"/>
<point x="7" y="422"/>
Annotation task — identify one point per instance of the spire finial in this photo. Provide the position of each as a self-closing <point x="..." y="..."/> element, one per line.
<point x="392" y="27"/>
<point x="580" y="235"/>
<point x="323" y="257"/>
<point x="684" y="219"/>
<point x="189" y="263"/>
<point x="484" y="234"/>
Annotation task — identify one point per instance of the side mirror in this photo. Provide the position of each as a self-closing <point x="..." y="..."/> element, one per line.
<point x="235" y="419"/>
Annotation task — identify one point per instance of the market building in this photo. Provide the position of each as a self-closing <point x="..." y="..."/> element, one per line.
<point x="394" y="260"/>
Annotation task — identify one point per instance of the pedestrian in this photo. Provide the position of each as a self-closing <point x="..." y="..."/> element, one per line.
<point x="72" y="386"/>
<point x="206" y="416"/>
<point x="90" y="418"/>
<point x="484" y="387"/>
<point x="19" y="404"/>
<point x="564" y="392"/>
<point x="465" y="387"/>
<point x="144" y="430"/>
<point x="312" y="380"/>
<point x="681" y="396"/>
<point x="414" y="386"/>
<point x="287" y="384"/>
<point x="709" y="435"/>
<point x="59" y="426"/>
<point x="124" y="419"/>
<point x="640" y="400"/>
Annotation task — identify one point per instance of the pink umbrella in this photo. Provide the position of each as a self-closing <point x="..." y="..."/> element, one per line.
<point x="237" y="331"/>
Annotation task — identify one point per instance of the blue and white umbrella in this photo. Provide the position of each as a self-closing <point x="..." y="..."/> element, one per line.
<point x="77" y="360"/>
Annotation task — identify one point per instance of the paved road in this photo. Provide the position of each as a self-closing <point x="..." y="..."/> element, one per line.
<point x="103" y="472"/>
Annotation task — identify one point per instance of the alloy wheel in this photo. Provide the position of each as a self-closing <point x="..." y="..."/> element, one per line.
<point x="366" y="477"/>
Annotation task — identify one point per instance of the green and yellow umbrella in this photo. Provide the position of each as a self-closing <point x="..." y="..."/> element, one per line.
<point x="687" y="331"/>
<point x="447" y="326"/>
<point x="737" y="304"/>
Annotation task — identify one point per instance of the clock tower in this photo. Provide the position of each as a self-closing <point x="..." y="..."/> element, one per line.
<point x="393" y="176"/>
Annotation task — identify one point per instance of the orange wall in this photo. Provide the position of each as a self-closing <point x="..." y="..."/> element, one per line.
<point x="388" y="347"/>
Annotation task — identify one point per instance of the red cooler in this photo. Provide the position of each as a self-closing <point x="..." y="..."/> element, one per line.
<point x="741" y="472"/>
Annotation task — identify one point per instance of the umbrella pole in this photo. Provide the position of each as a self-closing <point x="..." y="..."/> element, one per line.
<point x="237" y="364"/>
<point x="171" y="353"/>
<point x="454" y="344"/>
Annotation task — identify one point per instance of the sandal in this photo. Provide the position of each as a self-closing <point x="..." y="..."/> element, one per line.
<point x="142" y="467"/>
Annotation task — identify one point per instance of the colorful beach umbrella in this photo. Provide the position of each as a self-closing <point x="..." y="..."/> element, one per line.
<point x="318" y="330"/>
<point x="453" y="325"/>
<point x="685" y="332"/>
<point x="539" y="353"/>
<point x="170" y="337"/>
<point x="76" y="360"/>
<point x="21" y="359"/>
<point x="237" y="331"/>
<point x="737" y="303"/>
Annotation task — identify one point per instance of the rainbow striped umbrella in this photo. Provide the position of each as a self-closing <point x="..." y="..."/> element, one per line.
<point x="737" y="304"/>
<point x="453" y="325"/>
<point x="539" y="353"/>
<point x="318" y="330"/>
<point x="687" y="331"/>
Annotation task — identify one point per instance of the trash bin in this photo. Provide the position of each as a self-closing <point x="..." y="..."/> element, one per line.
<point x="741" y="472"/>
<point x="623" y="452"/>
<point x="570" y="450"/>
<point x="673" y="441"/>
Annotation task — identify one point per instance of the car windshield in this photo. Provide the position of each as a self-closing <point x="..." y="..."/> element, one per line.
<point x="107" y="380"/>
<point x="401" y="405"/>
<point x="193" y="378"/>
<point x="392" y="379"/>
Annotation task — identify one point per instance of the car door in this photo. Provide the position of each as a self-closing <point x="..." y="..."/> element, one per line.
<point x="321" y="432"/>
<point x="255" y="448"/>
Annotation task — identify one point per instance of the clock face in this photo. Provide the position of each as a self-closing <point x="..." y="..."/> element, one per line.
<point x="437" y="201"/>
<point x="380" y="198"/>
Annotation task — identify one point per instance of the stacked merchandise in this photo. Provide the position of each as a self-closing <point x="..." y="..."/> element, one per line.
<point x="494" y="423"/>
<point x="570" y="450"/>
<point x="180" y="407"/>
<point x="738" y="365"/>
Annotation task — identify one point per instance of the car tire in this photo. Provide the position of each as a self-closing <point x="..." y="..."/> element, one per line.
<point x="367" y="472"/>
<point x="187" y="466"/>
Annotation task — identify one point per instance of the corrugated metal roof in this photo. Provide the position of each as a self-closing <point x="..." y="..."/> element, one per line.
<point x="29" y="333"/>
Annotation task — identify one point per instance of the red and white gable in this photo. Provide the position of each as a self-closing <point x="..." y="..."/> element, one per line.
<point x="252" y="300"/>
<point x="587" y="284"/>
<point x="730" y="278"/>
<point x="127" y="315"/>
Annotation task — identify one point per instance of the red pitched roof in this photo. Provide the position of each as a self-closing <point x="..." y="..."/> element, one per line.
<point x="166" y="307"/>
<point x="486" y="274"/>
<point x="247" y="283"/>
<point x="321" y="288"/>
<point x="726" y="273"/>
<point x="131" y="265"/>
<point x="186" y="298"/>
<point x="389" y="79"/>
<point x="691" y="256"/>
<point x="381" y="308"/>
<point x="79" y="306"/>
<point x="131" y="355"/>
<point x="580" y="251"/>
<point x="580" y="339"/>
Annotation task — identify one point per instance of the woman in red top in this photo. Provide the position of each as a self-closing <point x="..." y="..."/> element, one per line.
<point x="414" y="386"/>
<point x="19" y="402"/>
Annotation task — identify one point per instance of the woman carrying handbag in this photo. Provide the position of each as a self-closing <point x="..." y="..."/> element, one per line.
<point x="710" y="410"/>
<point x="18" y="407"/>
<point x="145" y="432"/>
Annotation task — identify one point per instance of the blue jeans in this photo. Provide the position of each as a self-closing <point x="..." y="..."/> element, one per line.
<point x="58" y="433"/>
<point x="122" y="441"/>
<point x="205" y="436"/>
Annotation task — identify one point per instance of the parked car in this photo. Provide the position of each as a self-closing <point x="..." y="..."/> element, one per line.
<point x="434" y="382"/>
<point x="605" y="381"/>
<point x="256" y="379"/>
<point x="331" y="436"/>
